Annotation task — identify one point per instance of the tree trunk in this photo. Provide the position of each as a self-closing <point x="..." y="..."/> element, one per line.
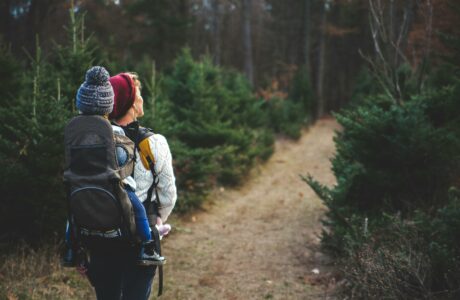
<point x="342" y="89"/>
<point x="306" y="34"/>
<point x="216" y="32"/>
<point x="6" y="19"/>
<point x="409" y="16"/>
<point x="32" y="26"/>
<point x="321" y="101"/>
<point x="247" y="42"/>
<point x="36" y="19"/>
<point x="393" y="21"/>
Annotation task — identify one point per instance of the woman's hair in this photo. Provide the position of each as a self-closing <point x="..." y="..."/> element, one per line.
<point x="135" y="78"/>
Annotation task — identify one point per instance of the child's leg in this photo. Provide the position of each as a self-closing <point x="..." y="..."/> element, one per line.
<point x="67" y="234"/>
<point x="68" y="258"/>
<point x="142" y="223"/>
<point x="147" y="255"/>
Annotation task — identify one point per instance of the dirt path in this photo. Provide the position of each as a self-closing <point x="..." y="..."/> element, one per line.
<point x="260" y="241"/>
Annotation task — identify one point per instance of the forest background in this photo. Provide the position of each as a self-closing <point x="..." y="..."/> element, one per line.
<point x="222" y="78"/>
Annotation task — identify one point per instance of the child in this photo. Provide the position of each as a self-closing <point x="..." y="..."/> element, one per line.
<point x="95" y="97"/>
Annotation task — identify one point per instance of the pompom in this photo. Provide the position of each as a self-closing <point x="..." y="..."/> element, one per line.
<point x="97" y="76"/>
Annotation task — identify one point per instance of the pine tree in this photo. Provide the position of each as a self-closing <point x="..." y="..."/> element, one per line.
<point x="31" y="134"/>
<point x="213" y="126"/>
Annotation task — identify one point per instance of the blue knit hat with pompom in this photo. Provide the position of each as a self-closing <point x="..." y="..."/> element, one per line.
<point x="95" y="95"/>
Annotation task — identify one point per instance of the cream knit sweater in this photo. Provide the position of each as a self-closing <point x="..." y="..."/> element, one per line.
<point x="164" y="169"/>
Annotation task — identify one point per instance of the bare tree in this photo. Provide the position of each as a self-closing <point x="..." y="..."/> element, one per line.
<point x="390" y="36"/>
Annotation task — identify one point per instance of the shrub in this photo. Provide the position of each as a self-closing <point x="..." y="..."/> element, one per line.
<point x="302" y="93"/>
<point x="215" y="126"/>
<point x="285" y="113"/>
<point x="408" y="259"/>
<point x="442" y="244"/>
<point x="395" y="268"/>
<point x="392" y="158"/>
<point x="285" y="116"/>
<point x="391" y="221"/>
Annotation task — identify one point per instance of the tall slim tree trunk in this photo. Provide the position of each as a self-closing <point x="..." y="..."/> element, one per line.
<point x="38" y="12"/>
<point x="306" y="34"/>
<point x="32" y="25"/>
<point x="6" y="19"/>
<point x="409" y="16"/>
<point x="342" y="87"/>
<point x="216" y="32"/>
<point x="321" y="101"/>
<point x="184" y="15"/>
<point x="393" y="21"/>
<point x="247" y="42"/>
<point x="291" y="45"/>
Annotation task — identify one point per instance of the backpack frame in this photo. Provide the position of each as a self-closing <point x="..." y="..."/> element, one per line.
<point x="99" y="207"/>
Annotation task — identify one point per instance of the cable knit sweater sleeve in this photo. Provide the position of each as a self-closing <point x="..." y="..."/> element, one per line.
<point x="166" y="180"/>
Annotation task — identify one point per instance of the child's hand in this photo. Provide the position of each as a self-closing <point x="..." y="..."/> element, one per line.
<point x="163" y="229"/>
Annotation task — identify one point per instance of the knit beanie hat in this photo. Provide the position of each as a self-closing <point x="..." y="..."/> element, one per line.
<point x="125" y="94"/>
<point x="95" y="95"/>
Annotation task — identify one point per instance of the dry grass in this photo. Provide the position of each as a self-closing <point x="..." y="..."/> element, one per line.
<point x="37" y="274"/>
<point x="388" y="273"/>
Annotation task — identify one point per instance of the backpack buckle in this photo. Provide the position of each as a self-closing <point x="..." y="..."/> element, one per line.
<point x="115" y="233"/>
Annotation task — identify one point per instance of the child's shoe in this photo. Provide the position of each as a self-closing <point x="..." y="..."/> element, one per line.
<point x="149" y="257"/>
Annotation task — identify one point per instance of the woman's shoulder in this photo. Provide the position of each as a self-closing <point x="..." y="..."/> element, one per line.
<point x="158" y="140"/>
<point x="160" y="148"/>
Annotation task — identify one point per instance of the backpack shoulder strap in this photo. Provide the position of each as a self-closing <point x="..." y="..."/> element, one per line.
<point x="148" y="160"/>
<point x="145" y="152"/>
<point x="140" y="136"/>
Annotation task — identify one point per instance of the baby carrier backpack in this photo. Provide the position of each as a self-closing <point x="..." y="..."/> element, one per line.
<point x="99" y="207"/>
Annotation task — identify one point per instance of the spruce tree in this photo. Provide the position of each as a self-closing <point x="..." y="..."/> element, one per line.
<point x="215" y="126"/>
<point x="31" y="133"/>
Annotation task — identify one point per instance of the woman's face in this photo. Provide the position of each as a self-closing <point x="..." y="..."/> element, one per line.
<point x="138" y="104"/>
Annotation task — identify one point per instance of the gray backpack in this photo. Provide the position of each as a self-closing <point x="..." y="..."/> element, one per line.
<point x="99" y="207"/>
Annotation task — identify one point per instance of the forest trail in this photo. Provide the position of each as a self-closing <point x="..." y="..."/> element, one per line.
<point x="259" y="241"/>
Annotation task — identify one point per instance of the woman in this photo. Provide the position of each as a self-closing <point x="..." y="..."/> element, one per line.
<point x="115" y="273"/>
<point x="128" y="107"/>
